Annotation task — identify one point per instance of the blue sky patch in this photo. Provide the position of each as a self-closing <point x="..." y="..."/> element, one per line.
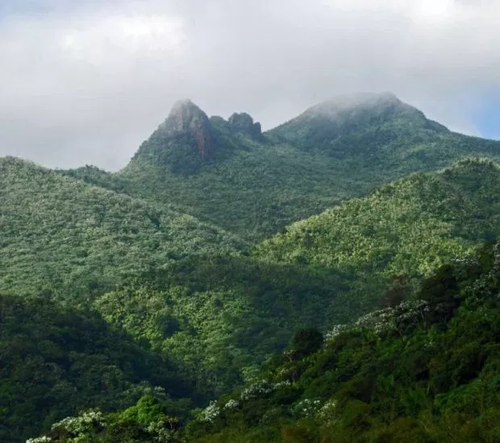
<point x="487" y="119"/>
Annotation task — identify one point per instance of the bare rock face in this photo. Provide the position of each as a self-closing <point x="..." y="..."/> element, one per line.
<point x="187" y="118"/>
<point x="244" y="123"/>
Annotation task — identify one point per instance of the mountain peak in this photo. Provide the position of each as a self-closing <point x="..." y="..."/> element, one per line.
<point x="367" y="109"/>
<point x="184" y="106"/>
<point x="357" y="124"/>
<point x="184" y="116"/>
<point x="354" y="103"/>
<point x="187" y="119"/>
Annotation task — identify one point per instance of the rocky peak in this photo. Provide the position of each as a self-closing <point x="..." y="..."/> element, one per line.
<point x="187" y="118"/>
<point x="243" y="122"/>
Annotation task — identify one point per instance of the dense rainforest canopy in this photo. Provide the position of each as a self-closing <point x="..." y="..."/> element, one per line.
<point x="323" y="281"/>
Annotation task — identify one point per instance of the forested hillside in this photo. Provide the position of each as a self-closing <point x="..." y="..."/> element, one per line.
<point x="57" y="361"/>
<point x="223" y="315"/>
<point x="402" y="232"/>
<point x="422" y="371"/>
<point x="130" y="300"/>
<point x="219" y="318"/>
<point x="65" y="236"/>
<point x="179" y="285"/>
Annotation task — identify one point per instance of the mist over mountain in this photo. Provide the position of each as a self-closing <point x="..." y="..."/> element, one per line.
<point x="371" y="119"/>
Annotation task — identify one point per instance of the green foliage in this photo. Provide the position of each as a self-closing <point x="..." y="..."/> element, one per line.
<point x="364" y="126"/>
<point x="65" y="236"/>
<point x="220" y="317"/>
<point x="146" y="421"/>
<point x="217" y="317"/>
<point x="405" y="230"/>
<point x="147" y="410"/>
<point x="55" y="361"/>
<point x="97" y="177"/>
<point x="307" y="341"/>
<point x="404" y="374"/>
<point x="134" y="293"/>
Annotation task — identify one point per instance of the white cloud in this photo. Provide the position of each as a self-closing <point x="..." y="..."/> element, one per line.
<point x="87" y="84"/>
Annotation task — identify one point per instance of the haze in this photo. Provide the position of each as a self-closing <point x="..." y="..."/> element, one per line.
<point x="86" y="83"/>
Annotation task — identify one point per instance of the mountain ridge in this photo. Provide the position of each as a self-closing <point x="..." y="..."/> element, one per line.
<point x="257" y="183"/>
<point x="229" y="173"/>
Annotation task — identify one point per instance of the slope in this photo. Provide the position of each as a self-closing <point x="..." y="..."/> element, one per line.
<point x="419" y="372"/>
<point x="358" y="125"/>
<point x="253" y="184"/>
<point x="69" y="237"/>
<point x="170" y="281"/>
<point x="222" y="316"/>
<point x="423" y="371"/>
<point x="54" y="361"/>
<point x="402" y="231"/>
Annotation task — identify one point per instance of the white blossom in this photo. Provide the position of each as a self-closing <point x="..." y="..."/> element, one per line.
<point x="384" y="320"/>
<point x="211" y="412"/>
<point x="327" y="412"/>
<point x="78" y="426"/>
<point x="306" y="408"/>
<point x="260" y="389"/>
<point x="231" y="404"/>
<point x="161" y="432"/>
<point x="43" y="439"/>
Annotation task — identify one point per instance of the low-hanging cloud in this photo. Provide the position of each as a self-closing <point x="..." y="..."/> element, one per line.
<point x="87" y="84"/>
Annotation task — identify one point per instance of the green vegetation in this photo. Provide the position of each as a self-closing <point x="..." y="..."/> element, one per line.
<point x="367" y="126"/>
<point x="56" y="361"/>
<point x="147" y="421"/>
<point x="401" y="232"/>
<point x="220" y="317"/>
<point x="423" y="371"/>
<point x="254" y="186"/>
<point x="176" y="278"/>
<point x="65" y="236"/>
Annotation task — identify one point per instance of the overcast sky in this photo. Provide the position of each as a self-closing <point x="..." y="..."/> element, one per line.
<point x="86" y="82"/>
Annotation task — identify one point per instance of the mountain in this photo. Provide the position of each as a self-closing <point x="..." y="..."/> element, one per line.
<point x="183" y="258"/>
<point x="219" y="317"/>
<point x="253" y="184"/>
<point x="66" y="236"/>
<point x="360" y="124"/>
<point x="184" y="141"/>
<point x="173" y="283"/>
<point x="403" y="231"/>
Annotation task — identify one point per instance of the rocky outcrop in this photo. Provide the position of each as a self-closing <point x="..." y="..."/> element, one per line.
<point x="188" y="119"/>
<point x="244" y="123"/>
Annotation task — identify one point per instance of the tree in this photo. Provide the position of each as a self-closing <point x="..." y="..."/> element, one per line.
<point x="307" y="341"/>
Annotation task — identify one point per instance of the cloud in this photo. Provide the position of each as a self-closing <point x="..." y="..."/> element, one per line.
<point x="87" y="82"/>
